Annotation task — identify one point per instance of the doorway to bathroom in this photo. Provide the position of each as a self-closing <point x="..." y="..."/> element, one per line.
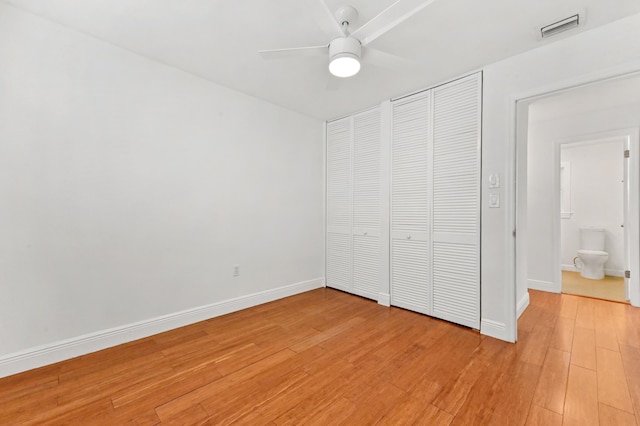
<point x="565" y="154"/>
<point x="593" y="242"/>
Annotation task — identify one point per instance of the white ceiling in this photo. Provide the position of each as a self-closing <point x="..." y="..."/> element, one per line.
<point x="219" y="40"/>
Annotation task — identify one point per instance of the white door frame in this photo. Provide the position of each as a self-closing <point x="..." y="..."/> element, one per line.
<point x="630" y="139"/>
<point x="519" y="112"/>
<point x="516" y="172"/>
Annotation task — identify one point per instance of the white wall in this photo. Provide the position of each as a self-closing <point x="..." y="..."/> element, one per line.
<point x="130" y="189"/>
<point x="585" y="57"/>
<point x="596" y="200"/>
<point x="543" y="136"/>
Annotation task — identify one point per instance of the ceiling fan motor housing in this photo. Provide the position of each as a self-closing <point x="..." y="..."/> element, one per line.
<point x="345" y="46"/>
<point x="344" y="56"/>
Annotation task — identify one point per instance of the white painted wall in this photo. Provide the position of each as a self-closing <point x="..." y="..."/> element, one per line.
<point x="543" y="135"/>
<point x="130" y="189"/>
<point x="588" y="56"/>
<point x="596" y="193"/>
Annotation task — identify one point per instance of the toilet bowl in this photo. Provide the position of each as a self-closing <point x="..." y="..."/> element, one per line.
<point x="591" y="256"/>
<point x="591" y="263"/>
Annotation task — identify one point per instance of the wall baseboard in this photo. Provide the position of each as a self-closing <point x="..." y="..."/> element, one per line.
<point x="610" y="272"/>
<point x="495" y="329"/>
<point x="384" y="299"/>
<point x="81" y="345"/>
<point x="523" y="303"/>
<point x="542" y="286"/>
<point x="614" y="272"/>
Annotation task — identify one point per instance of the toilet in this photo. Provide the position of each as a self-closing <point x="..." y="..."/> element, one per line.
<point x="591" y="256"/>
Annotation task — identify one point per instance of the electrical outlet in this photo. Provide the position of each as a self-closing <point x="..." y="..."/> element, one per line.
<point x="494" y="201"/>
<point x="236" y="270"/>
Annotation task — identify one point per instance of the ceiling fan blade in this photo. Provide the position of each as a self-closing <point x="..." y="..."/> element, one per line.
<point x="384" y="59"/>
<point x="326" y="19"/>
<point x="295" y="52"/>
<point x="394" y="15"/>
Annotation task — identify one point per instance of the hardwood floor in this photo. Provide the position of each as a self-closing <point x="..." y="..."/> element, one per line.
<point x="326" y="357"/>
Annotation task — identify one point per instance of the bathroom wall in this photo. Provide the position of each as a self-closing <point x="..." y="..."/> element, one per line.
<point x="596" y="200"/>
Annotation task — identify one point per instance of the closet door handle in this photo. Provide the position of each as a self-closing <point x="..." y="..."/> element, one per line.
<point x="408" y="237"/>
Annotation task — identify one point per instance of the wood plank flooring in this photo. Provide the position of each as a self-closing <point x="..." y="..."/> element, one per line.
<point x="326" y="357"/>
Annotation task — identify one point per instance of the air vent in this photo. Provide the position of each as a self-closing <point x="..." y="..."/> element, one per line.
<point x="560" y="26"/>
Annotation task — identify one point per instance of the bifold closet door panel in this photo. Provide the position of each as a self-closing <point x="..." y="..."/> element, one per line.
<point x="366" y="204"/>
<point x="456" y="201"/>
<point x="410" y="274"/>
<point x="410" y="203"/>
<point x="339" y="205"/>
<point x="353" y="204"/>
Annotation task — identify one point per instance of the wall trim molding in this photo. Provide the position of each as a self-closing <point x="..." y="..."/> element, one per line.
<point x="543" y="286"/>
<point x="523" y="303"/>
<point x="495" y="329"/>
<point x="384" y="299"/>
<point x="70" y="348"/>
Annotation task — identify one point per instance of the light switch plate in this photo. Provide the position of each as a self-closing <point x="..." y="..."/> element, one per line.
<point x="494" y="180"/>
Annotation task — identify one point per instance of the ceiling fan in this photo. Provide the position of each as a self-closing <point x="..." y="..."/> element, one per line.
<point x="346" y="49"/>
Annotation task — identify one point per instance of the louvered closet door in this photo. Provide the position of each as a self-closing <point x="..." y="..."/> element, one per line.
<point x="456" y="201"/>
<point x="410" y="203"/>
<point x="366" y="204"/>
<point x="339" y="205"/>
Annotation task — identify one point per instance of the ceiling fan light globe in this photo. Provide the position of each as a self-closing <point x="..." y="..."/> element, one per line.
<point x="344" y="65"/>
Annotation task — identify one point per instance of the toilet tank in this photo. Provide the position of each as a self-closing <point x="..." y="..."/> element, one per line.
<point x="592" y="238"/>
